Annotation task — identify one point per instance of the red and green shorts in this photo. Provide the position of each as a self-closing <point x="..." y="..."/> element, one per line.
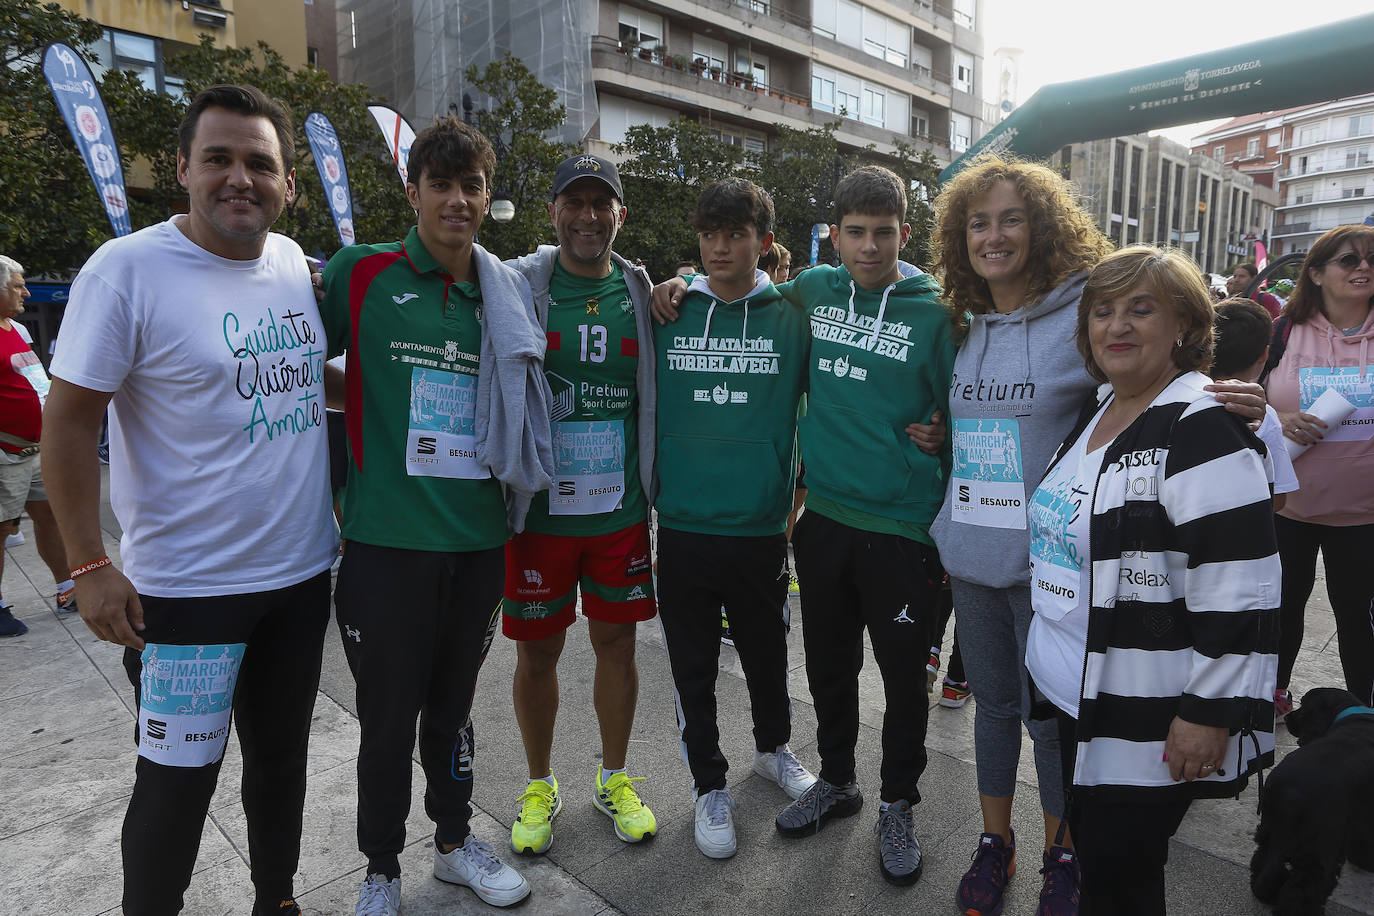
<point x="544" y="571"/>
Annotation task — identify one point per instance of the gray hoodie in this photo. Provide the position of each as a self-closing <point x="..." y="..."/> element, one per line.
<point x="512" y="415"/>
<point x="537" y="268"/>
<point x="1018" y="379"/>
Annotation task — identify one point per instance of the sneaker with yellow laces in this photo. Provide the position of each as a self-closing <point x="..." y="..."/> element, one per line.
<point x="532" y="831"/>
<point x="617" y="799"/>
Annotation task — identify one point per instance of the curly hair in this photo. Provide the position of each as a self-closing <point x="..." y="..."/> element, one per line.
<point x="1306" y="300"/>
<point x="1063" y="239"/>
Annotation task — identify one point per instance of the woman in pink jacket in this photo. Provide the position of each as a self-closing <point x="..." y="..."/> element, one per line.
<point x="1330" y="344"/>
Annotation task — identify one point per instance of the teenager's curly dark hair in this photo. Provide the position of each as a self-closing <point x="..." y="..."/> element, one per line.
<point x="1063" y="239"/>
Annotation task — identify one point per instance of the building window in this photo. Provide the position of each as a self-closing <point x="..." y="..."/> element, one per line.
<point x="963" y="71"/>
<point x="1219" y="153"/>
<point x="709" y="55"/>
<point x="1275" y="137"/>
<point x="875" y="107"/>
<point x="749" y="141"/>
<point x="136" y="54"/>
<point x="960" y="132"/>
<point x="964" y="11"/>
<point x="1252" y="147"/>
<point x="1361" y="125"/>
<point x="756" y="66"/>
<point x="640" y="29"/>
<point x="312" y="55"/>
<point x="1311" y="134"/>
<point x="823" y="90"/>
<point x="920" y="123"/>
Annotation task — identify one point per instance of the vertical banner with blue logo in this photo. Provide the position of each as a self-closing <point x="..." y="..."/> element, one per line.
<point x="397" y="132"/>
<point x="73" y="88"/>
<point x="329" y="162"/>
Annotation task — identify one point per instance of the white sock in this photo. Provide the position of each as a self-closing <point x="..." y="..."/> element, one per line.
<point x="64" y="585"/>
<point x="607" y="774"/>
<point x="883" y="806"/>
<point x="548" y="779"/>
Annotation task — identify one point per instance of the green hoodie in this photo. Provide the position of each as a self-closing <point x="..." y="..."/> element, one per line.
<point x="729" y="379"/>
<point x="865" y="385"/>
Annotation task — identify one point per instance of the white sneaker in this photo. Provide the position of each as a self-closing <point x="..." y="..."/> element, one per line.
<point x="783" y="768"/>
<point x="379" y="897"/>
<point x="716" y="824"/>
<point x="475" y="864"/>
<point x="14" y="540"/>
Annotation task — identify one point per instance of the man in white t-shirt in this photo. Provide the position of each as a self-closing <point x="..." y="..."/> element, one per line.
<point x="202" y="335"/>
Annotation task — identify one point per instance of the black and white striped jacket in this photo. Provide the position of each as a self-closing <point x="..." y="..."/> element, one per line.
<point x="1184" y="594"/>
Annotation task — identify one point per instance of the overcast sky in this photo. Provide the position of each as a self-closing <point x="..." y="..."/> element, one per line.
<point x="1065" y="40"/>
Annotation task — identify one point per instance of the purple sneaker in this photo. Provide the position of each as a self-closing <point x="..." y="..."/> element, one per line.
<point x="1059" y="896"/>
<point x="994" y="862"/>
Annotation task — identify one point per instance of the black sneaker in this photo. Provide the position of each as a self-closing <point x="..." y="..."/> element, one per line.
<point x="11" y="625"/>
<point x="817" y="805"/>
<point x="287" y="907"/>
<point x="899" y="855"/>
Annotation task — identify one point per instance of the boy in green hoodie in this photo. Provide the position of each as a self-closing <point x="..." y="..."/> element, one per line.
<point x="730" y="378"/>
<point x="881" y="353"/>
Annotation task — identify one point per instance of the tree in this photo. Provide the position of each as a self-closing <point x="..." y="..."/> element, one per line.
<point x="518" y="119"/>
<point x="664" y="170"/>
<point x="50" y="217"/>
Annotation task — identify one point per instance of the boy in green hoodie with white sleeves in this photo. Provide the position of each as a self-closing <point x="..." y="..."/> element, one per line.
<point x="730" y="377"/>
<point x="881" y="354"/>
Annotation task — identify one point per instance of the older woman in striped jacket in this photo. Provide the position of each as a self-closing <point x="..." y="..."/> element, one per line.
<point x="1155" y="582"/>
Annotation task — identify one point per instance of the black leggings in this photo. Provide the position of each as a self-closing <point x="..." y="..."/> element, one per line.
<point x="273" y="702"/>
<point x="1122" y="848"/>
<point x="1345" y="552"/>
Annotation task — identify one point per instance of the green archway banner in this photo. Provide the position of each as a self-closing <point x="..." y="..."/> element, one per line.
<point x="1296" y="68"/>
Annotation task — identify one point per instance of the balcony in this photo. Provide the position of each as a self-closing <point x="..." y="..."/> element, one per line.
<point x="1307" y="200"/>
<point x="657" y="77"/>
<point x="1292" y="229"/>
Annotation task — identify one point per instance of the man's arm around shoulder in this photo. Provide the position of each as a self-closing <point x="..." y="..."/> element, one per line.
<point x="107" y="600"/>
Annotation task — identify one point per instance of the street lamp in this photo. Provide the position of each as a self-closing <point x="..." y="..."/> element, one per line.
<point x="502" y="207"/>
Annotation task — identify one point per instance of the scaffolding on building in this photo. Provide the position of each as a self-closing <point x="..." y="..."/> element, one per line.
<point x="413" y="52"/>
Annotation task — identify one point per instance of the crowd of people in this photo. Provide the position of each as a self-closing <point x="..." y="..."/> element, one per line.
<point x="1035" y="436"/>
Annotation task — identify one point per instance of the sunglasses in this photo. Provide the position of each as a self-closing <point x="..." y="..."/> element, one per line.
<point x="1350" y="260"/>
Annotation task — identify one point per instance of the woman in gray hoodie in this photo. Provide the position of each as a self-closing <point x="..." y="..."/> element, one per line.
<point x="1014" y="248"/>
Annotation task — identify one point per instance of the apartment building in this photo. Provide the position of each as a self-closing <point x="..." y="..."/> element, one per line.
<point x="1154" y="191"/>
<point x="883" y="69"/>
<point x="141" y="34"/>
<point x="1327" y="174"/>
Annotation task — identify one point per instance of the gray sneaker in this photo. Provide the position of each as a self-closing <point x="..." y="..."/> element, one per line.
<point x="899" y="855"/>
<point x="379" y="897"/>
<point x="817" y="805"/>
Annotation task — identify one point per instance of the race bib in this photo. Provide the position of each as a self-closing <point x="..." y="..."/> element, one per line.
<point x="1348" y="382"/>
<point x="590" y="467"/>
<point x="28" y="365"/>
<point x="186" y="694"/>
<point x="989" y="487"/>
<point x="1057" y="507"/>
<point x="443" y="418"/>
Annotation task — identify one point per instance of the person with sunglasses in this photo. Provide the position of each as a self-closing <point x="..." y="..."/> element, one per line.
<point x="1326" y="337"/>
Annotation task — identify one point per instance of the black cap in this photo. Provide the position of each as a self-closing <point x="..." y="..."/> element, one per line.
<point x="587" y="166"/>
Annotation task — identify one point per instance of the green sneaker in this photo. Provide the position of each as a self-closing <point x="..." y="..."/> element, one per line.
<point x="532" y="831"/>
<point x="619" y="801"/>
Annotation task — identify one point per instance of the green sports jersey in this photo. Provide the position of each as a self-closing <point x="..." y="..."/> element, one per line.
<point x="591" y="361"/>
<point x="413" y="335"/>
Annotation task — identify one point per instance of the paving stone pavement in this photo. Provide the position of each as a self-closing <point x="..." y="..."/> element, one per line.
<point x="66" y="765"/>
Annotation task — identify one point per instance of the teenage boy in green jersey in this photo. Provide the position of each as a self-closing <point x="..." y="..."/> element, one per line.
<point x="446" y="410"/>
<point x="880" y="354"/>
<point x="591" y="529"/>
<point x="730" y="377"/>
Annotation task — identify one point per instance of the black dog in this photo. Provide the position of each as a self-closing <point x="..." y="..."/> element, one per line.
<point x="1318" y="805"/>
